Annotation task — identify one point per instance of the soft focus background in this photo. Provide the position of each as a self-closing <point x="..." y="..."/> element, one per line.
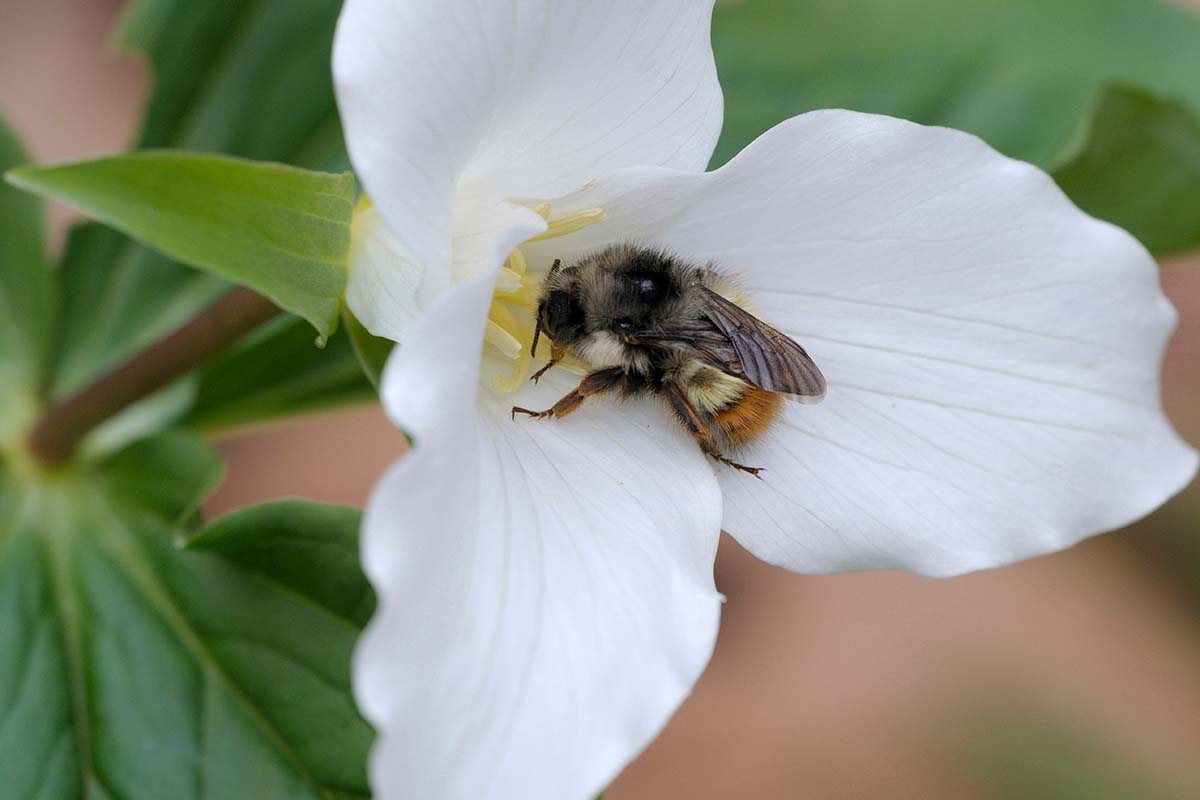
<point x="1071" y="676"/>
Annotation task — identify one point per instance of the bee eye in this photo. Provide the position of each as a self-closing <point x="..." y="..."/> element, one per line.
<point x="563" y="315"/>
<point x="647" y="287"/>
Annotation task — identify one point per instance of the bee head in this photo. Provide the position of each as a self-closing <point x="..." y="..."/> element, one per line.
<point x="562" y="316"/>
<point x="602" y="305"/>
<point x="560" y="313"/>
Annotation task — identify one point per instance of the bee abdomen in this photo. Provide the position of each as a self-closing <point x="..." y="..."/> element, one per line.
<point x="749" y="416"/>
<point x="709" y="389"/>
<point x="737" y="410"/>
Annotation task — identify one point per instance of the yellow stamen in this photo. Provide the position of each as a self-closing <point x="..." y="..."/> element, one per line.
<point x="516" y="261"/>
<point x="509" y="281"/>
<point x="525" y="297"/>
<point x="499" y="338"/>
<point x="510" y="334"/>
<point x="518" y="378"/>
<point x="571" y="223"/>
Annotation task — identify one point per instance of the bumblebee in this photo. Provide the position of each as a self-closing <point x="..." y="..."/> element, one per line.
<point x="648" y="322"/>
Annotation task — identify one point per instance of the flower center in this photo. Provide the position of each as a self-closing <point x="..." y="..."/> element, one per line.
<point x="513" y="315"/>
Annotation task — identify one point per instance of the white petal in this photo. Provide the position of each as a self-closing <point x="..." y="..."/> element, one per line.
<point x="546" y="594"/>
<point x="517" y="98"/>
<point x="389" y="288"/>
<point x="992" y="352"/>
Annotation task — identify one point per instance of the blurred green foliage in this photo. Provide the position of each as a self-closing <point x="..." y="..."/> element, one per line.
<point x="272" y="373"/>
<point x="1169" y="542"/>
<point x="1021" y="74"/>
<point x="247" y="78"/>
<point x="1140" y="168"/>
<point x="310" y="549"/>
<point x="129" y="668"/>
<point x="1020" y="760"/>
<point x="372" y="350"/>
<point x="26" y="297"/>
<point x="1027" y="76"/>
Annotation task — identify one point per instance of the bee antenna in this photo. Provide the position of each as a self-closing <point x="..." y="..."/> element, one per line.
<point x="537" y="331"/>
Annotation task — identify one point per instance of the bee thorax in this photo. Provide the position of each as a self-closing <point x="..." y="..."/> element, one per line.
<point x="605" y="349"/>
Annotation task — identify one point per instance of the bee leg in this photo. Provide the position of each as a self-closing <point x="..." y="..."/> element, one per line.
<point x="699" y="429"/>
<point x="556" y="354"/>
<point x="535" y="377"/>
<point x="755" y="471"/>
<point x="594" y="383"/>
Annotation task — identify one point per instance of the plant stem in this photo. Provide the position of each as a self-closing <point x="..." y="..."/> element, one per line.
<point x="223" y="323"/>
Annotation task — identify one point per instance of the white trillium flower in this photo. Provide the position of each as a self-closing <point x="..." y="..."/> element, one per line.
<point x="546" y="589"/>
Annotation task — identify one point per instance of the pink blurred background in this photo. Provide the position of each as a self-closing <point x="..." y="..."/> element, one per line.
<point x="857" y="686"/>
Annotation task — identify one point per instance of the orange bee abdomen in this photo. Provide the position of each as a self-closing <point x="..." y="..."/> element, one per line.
<point x="748" y="416"/>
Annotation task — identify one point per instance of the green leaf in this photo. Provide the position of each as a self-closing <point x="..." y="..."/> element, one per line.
<point x="1021" y="74"/>
<point x="1028" y="760"/>
<point x="130" y="669"/>
<point x="280" y="230"/>
<point x="372" y="351"/>
<point x="244" y="77"/>
<point x="1140" y="168"/>
<point x="1169" y="541"/>
<point x="26" y="298"/>
<point x="117" y="297"/>
<point x="278" y="371"/>
<point x="220" y="64"/>
<point x="309" y="548"/>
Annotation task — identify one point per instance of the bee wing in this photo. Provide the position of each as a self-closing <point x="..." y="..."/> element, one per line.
<point x="740" y="344"/>
<point x="765" y="356"/>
